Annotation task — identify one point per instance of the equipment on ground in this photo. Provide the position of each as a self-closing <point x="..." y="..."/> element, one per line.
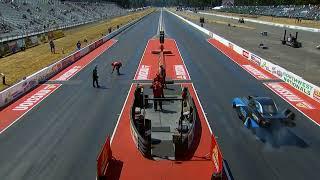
<point x="291" y="40"/>
<point x="161" y="37"/>
<point x="241" y="20"/>
<point x="264" y="33"/>
<point x="263" y="46"/>
<point x="261" y="112"/>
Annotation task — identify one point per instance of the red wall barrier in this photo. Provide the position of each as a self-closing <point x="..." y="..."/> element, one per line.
<point x="104" y="158"/>
<point x="216" y="156"/>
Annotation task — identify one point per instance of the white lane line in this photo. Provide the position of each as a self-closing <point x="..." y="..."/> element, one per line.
<point x="124" y="105"/>
<point x="205" y="117"/>
<point x="160" y="23"/>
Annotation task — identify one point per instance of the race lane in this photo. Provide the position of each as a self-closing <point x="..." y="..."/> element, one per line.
<point x="290" y="153"/>
<point x="60" y="137"/>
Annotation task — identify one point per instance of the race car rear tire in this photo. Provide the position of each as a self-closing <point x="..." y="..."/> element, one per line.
<point x="240" y="114"/>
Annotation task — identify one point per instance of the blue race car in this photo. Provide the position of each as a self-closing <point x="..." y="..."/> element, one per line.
<point x="261" y="112"/>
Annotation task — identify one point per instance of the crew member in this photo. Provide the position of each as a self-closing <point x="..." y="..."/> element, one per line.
<point x="116" y="65"/>
<point x="95" y="77"/>
<point x="138" y="97"/>
<point x="158" y="78"/>
<point x="184" y="96"/>
<point x="52" y="47"/>
<point x="290" y="38"/>
<point x="163" y="76"/>
<point x="157" y="93"/>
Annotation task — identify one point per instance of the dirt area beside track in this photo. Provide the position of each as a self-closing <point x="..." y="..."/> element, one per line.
<point x="304" y="61"/>
<point x="291" y="21"/>
<point x="25" y="63"/>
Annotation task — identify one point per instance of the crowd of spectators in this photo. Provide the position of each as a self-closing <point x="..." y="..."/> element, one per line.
<point x="311" y="12"/>
<point x="27" y="16"/>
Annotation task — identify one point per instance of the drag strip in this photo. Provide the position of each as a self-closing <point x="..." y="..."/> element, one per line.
<point x="172" y="59"/>
<point x="290" y="153"/>
<point x="60" y="137"/>
<point x="19" y="108"/>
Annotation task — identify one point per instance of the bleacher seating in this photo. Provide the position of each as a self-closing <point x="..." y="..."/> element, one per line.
<point x="21" y="17"/>
<point x="310" y="12"/>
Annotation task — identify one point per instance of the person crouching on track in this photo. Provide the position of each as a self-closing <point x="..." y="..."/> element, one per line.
<point x="116" y="65"/>
<point x="157" y="93"/>
<point x="95" y="77"/>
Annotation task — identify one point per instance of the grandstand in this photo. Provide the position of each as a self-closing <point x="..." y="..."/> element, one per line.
<point x="310" y="12"/>
<point x="22" y="17"/>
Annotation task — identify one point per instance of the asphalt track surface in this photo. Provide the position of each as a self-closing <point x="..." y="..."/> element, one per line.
<point x="61" y="137"/>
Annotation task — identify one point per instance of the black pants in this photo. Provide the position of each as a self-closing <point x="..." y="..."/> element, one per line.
<point x="118" y="70"/>
<point x="95" y="81"/>
<point x="155" y="104"/>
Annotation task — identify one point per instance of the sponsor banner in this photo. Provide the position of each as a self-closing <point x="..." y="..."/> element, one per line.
<point x="180" y="72"/>
<point x="256" y="73"/>
<point x="245" y="53"/>
<point x="77" y="55"/>
<point x="16" y="110"/>
<point x="316" y="94"/>
<point x="99" y="42"/>
<point x="230" y="45"/>
<point x="211" y="34"/>
<point x="297" y="99"/>
<point x="298" y="83"/>
<point x="216" y="156"/>
<point x="272" y="68"/>
<point x="92" y="47"/>
<point x="143" y="72"/>
<point x="289" y="95"/>
<point x="256" y="59"/>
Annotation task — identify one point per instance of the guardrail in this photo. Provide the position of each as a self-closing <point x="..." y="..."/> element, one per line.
<point x="19" y="89"/>
<point x="143" y="143"/>
<point x="294" y="80"/>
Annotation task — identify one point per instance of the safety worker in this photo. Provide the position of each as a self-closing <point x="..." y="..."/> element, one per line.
<point x="158" y="78"/>
<point x="162" y="72"/>
<point x="116" y="65"/>
<point x="95" y="77"/>
<point x="138" y="96"/>
<point x="157" y="93"/>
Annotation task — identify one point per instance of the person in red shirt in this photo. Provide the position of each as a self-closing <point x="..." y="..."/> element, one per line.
<point x="163" y="74"/>
<point x="116" y="65"/>
<point x="157" y="93"/>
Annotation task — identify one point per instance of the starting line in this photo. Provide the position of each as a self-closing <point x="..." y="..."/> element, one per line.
<point x="148" y="67"/>
<point x="132" y="165"/>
